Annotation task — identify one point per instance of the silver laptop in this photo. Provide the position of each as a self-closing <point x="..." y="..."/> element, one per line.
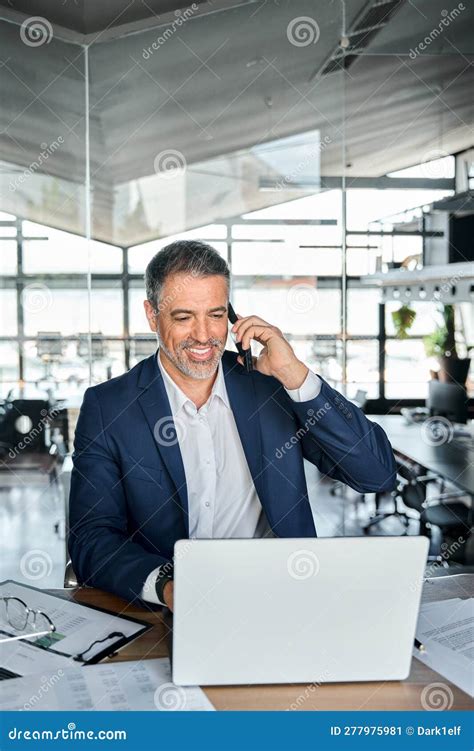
<point x="295" y="610"/>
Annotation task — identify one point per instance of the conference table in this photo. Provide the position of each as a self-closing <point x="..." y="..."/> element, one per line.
<point x="388" y="695"/>
<point x="452" y="458"/>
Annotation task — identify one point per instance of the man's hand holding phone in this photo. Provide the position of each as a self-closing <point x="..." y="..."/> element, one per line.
<point x="277" y="358"/>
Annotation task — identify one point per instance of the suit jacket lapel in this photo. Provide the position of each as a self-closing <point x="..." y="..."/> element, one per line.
<point x="156" y="408"/>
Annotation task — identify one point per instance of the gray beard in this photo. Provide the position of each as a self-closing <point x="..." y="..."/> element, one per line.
<point x="200" y="371"/>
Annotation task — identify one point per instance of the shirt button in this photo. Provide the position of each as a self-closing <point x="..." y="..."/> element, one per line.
<point x="207" y="504"/>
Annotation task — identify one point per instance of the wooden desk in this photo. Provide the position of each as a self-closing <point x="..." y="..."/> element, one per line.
<point x="391" y="695"/>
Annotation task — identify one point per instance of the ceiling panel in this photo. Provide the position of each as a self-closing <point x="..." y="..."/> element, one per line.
<point x="205" y="91"/>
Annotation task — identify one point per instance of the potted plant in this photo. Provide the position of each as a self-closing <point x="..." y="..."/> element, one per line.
<point x="442" y="345"/>
<point x="403" y="321"/>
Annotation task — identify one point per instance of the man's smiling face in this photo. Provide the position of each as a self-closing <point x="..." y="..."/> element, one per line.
<point x="191" y="324"/>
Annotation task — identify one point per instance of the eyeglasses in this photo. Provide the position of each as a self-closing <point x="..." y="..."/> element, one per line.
<point x="19" y="616"/>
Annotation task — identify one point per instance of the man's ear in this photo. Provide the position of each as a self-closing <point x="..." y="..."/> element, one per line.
<point x="151" y="315"/>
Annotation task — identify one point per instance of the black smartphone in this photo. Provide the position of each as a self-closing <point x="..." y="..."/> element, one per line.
<point x="246" y="354"/>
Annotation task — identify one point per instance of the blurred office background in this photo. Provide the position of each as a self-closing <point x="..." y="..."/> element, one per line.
<point x="325" y="149"/>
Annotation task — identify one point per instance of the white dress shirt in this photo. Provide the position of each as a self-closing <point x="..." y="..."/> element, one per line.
<point x="222" y="499"/>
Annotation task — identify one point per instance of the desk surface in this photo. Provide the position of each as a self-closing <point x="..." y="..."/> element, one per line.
<point x="453" y="460"/>
<point x="389" y="695"/>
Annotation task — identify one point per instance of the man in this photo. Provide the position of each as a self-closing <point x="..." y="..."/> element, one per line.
<point x="189" y="444"/>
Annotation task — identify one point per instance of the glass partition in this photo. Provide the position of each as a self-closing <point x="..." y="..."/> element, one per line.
<point x="271" y="150"/>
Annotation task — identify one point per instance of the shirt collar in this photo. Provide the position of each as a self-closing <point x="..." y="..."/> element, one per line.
<point x="178" y="398"/>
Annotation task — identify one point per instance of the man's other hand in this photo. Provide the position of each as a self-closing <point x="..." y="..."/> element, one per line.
<point x="168" y="595"/>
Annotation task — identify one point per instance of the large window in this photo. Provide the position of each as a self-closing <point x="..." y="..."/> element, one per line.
<point x="286" y="268"/>
<point x="278" y="160"/>
<point x="286" y="263"/>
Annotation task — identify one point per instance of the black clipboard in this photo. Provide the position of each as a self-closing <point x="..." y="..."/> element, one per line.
<point x="109" y="649"/>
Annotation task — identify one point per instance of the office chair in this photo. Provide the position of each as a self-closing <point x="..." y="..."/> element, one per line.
<point x="451" y="518"/>
<point x="398" y="512"/>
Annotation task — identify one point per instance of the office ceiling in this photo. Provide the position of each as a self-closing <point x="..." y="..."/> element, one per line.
<point x="207" y="88"/>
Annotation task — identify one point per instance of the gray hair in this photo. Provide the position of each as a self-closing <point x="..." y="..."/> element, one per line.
<point x="191" y="257"/>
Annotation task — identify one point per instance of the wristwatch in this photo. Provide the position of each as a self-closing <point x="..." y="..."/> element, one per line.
<point x="162" y="579"/>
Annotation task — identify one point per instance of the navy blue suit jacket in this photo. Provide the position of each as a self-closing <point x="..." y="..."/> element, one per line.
<point x="128" y="501"/>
